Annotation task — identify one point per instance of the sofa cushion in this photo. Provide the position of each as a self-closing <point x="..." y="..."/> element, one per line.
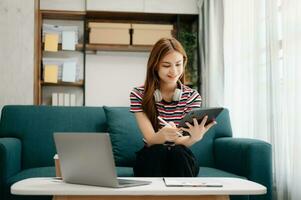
<point x="213" y="172"/>
<point x="204" y="172"/>
<point x="204" y="149"/>
<point x="125" y="135"/>
<point x="35" y="125"/>
<point x="125" y="171"/>
<point x="31" y="173"/>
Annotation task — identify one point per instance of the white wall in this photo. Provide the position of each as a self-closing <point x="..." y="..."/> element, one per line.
<point x="16" y="52"/>
<point x="72" y="5"/>
<point x="110" y="76"/>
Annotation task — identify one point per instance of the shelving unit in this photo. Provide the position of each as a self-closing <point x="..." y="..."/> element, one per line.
<point x="44" y="88"/>
<point x="84" y="17"/>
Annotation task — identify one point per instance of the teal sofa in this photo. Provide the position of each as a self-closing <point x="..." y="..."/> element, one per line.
<point x="27" y="147"/>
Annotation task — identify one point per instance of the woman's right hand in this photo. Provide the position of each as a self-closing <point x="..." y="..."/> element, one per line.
<point x="168" y="133"/>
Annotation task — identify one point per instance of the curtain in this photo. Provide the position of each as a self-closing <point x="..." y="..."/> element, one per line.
<point x="262" y="76"/>
<point x="211" y="52"/>
<point x="286" y="99"/>
<point x="245" y="67"/>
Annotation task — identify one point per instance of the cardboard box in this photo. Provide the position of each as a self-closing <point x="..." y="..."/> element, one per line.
<point x="109" y="33"/>
<point x="149" y="34"/>
<point x="70" y="5"/>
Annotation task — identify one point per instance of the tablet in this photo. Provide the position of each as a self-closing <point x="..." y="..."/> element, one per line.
<point x="199" y="114"/>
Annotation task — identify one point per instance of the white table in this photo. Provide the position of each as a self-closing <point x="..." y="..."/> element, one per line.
<point x="156" y="190"/>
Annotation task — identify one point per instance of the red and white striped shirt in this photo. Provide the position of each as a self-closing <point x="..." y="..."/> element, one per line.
<point x="170" y="111"/>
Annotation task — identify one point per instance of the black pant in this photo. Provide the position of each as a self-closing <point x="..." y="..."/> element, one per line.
<point x="165" y="161"/>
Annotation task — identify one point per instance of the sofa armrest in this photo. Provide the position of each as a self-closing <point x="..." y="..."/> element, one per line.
<point x="10" y="157"/>
<point x="250" y="158"/>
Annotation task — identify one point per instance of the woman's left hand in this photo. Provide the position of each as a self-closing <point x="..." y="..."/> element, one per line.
<point x="197" y="131"/>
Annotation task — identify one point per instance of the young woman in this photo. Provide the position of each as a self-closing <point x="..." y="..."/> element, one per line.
<point x="166" y="152"/>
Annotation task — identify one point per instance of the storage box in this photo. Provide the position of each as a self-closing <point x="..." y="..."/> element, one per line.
<point x="149" y="34"/>
<point x="69" y="5"/>
<point x="109" y="33"/>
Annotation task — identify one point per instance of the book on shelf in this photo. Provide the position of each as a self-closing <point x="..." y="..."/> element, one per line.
<point x="66" y="99"/>
<point x="54" y="99"/>
<point x="69" y="72"/>
<point x="68" y="40"/>
<point x="63" y="99"/>
<point x="60" y="99"/>
<point x="51" y="42"/>
<point x="51" y="73"/>
<point x="72" y="100"/>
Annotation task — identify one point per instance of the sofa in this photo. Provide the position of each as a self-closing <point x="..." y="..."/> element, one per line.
<point x="27" y="146"/>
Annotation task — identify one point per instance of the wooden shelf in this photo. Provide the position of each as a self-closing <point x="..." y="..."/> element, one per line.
<point x="132" y="17"/>
<point x="64" y="15"/>
<point x="116" y="16"/>
<point x="78" y="47"/>
<point x="108" y="47"/>
<point x="60" y="83"/>
<point x="85" y="48"/>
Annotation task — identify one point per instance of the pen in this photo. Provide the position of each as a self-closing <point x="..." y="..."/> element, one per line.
<point x="167" y="124"/>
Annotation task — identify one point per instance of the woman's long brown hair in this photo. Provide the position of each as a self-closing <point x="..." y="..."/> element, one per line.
<point x="152" y="82"/>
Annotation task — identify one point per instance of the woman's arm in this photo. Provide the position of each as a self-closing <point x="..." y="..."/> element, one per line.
<point x="149" y="134"/>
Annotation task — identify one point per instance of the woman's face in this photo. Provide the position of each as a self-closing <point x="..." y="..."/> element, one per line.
<point x="171" y="68"/>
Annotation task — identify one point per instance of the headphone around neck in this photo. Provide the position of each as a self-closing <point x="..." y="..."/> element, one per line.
<point x="176" y="96"/>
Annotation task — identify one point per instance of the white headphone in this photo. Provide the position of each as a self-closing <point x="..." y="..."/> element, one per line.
<point x="176" y="96"/>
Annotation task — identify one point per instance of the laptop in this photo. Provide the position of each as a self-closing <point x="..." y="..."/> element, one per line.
<point x="87" y="158"/>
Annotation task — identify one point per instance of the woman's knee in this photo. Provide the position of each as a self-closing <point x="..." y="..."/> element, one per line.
<point x="179" y="150"/>
<point x="181" y="154"/>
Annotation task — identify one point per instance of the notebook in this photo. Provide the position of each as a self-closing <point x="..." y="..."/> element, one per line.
<point x="87" y="158"/>
<point x="190" y="182"/>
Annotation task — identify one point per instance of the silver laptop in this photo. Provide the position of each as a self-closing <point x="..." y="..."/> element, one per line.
<point x="87" y="158"/>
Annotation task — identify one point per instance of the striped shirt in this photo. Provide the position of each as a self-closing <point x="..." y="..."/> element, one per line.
<point x="170" y="111"/>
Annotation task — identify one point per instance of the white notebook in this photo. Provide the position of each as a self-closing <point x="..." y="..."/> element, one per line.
<point x="189" y="182"/>
<point x="68" y="40"/>
<point x="69" y="72"/>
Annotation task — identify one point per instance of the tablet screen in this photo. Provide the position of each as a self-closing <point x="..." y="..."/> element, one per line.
<point x="199" y="114"/>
